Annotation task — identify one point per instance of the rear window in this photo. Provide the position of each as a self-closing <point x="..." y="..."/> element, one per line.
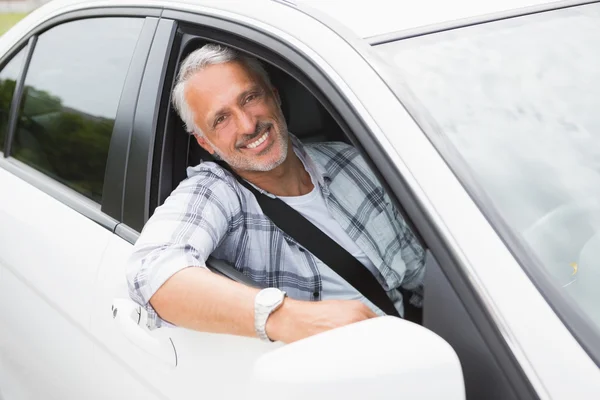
<point x="70" y="99"/>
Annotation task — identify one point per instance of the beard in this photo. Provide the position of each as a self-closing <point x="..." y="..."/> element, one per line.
<point x="255" y="163"/>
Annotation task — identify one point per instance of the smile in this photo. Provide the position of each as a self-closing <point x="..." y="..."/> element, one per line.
<point x="258" y="141"/>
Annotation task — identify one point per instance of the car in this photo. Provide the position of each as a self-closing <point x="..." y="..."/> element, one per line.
<point x="480" y="119"/>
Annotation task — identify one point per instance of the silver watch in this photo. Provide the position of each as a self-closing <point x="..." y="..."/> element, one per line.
<point x="265" y="303"/>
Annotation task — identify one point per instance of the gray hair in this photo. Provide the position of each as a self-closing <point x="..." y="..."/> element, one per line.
<point x="209" y="54"/>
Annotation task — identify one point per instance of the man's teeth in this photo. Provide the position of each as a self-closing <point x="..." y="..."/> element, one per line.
<point x="257" y="142"/>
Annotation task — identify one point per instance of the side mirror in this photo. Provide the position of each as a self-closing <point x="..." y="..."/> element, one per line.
<point x="380" y="358"/>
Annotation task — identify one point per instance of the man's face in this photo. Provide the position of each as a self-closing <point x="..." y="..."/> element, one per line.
<point x="239" y="116"/>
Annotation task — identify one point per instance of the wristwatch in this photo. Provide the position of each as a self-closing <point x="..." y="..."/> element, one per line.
<point x="265" y="303"/>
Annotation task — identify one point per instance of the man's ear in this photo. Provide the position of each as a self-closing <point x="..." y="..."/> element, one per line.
<point x="204" y="143"/>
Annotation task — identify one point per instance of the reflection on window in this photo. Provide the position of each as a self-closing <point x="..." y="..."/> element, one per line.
<point x="72" y="91"/>
<point x="518" y="100"/>
<point x="8" y="81"/>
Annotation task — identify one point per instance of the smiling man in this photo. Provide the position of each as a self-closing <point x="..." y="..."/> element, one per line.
<point x="227" y="102"/>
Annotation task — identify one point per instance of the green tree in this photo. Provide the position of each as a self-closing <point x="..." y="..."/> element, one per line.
<point x="65" y="143"/>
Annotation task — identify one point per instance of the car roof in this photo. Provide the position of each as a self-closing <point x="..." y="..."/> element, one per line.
<point x="364" y="18"/>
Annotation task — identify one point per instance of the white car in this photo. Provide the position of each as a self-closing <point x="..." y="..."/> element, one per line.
<point x="480" y="117"/>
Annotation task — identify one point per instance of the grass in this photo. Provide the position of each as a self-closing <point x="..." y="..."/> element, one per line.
<point x="8" y="20"/>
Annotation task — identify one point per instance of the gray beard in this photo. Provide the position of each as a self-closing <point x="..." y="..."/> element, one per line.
<point x="248" y="164"/>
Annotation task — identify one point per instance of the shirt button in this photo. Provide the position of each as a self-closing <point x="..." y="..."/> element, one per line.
<point x="316" y="295"/>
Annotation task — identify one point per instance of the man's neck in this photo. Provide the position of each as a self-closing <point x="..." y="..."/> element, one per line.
<point x="288" y="179"/>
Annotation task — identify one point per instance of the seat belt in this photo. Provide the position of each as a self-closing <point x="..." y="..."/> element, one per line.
<point x="321" y="246"/>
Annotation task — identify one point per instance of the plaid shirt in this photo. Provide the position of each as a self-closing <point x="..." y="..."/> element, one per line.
<point x="210" y="213"/>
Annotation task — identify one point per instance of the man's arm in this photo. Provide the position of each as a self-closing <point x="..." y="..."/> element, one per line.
<point x="167" y="274"/>
<point x="198" y="299"/>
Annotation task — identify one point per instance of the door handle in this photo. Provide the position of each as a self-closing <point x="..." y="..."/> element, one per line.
<point x="131" y="319"/>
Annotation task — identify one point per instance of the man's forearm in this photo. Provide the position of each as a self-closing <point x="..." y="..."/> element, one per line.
<point x="198" y="299"/>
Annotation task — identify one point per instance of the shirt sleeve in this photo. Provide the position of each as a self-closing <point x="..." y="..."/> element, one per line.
<point x="181" y="233"/>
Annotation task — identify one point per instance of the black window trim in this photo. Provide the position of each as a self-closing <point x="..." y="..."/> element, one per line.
<point x="122" y="136"/>
<point x="146" y="118"/>
<point x="18" y="92"/>
<point x="110" y="218"/>
<point x="358" y="131"/>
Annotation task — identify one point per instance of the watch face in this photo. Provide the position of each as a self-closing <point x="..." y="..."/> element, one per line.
<point x="269" y="297"/>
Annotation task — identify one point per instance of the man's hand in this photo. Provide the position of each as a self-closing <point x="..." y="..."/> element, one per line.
<point x="297" y="320"/>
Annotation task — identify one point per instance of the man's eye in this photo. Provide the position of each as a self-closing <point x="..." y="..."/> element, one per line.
<point x="219" y="120"/>
<point x="251" y="97"/>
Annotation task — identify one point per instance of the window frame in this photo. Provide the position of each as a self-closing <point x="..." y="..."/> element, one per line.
<point x="107" y="214"/>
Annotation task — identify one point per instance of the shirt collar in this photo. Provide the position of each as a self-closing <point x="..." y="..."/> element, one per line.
<point x="317" y="171"/>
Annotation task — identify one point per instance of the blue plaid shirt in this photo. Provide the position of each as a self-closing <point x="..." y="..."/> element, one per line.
<point x="211" y="213"/>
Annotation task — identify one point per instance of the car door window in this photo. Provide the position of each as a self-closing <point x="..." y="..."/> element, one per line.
<point x="71" y="93"/>
<point x="8" y="81"/>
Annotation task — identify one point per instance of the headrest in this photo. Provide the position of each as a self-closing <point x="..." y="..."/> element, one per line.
<point x="303" y="113"/>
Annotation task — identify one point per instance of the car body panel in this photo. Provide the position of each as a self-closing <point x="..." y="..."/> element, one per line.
<point x="49" y="260"/>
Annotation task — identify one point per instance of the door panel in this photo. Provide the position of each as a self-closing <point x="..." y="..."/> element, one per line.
<point x="44" y="353"/>
<point x="49" y="255"/>
<point x="116" y="349"/>
<point x="207" y="364"/>
<point x="49" y="246"/>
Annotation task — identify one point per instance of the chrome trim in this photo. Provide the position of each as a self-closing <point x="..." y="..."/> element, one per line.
<point x="126" y="233"/>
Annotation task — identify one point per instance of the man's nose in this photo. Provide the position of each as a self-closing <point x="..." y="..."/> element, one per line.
<point x="246" y="123"/>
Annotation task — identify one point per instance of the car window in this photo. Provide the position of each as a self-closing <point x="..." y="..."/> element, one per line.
<point x="518" y="102"/>
<point x="70" y="99"/>
<point x="8" y="81"/>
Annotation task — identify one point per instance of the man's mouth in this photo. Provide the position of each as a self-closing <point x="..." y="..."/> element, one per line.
<point x="259" y="141"/>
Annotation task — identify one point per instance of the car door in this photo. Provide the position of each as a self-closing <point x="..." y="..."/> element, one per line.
<point x="180" y="363"/>
<point x="63" y="88"/>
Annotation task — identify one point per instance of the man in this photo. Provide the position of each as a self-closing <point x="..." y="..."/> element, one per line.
<point x="227" y="102"/>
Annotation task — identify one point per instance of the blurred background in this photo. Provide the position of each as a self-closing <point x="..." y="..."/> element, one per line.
<point x="11" y="11"/>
